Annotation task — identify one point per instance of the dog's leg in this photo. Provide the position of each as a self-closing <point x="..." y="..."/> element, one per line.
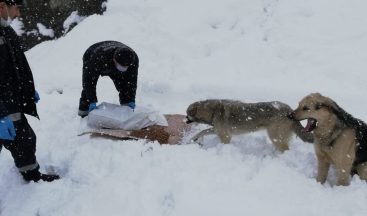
<point x="343" y="168"/>
<point x="322" y="169"/>
<point x="344" y="156"/>
<point x="203" y="133"/>
<point x="224" y="134"/>
<point x="343" y="176"/>
<point x="279" y="137"/>
<point x="362" y="170"/>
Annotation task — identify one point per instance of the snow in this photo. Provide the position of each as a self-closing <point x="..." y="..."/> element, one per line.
<point x="249" y="50"/>
<point x="43" y="30"/>
<point x="18" y="26"/>
<point x="74" y="18"/>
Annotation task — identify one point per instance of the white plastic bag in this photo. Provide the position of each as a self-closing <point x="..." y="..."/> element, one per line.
<point x="114" y="116"/>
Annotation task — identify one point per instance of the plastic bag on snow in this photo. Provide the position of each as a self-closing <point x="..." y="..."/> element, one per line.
<point x="114" y="116"/>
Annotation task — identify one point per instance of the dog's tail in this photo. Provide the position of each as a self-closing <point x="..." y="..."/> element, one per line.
<point x="301" y="133"/>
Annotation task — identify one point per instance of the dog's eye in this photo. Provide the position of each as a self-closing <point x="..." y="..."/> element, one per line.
<point x="305" y="108"/>
<point x="318" y="106"/>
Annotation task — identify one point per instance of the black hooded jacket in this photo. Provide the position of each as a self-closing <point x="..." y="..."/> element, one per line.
<point x="98" y="61"/>
<point x="16" y="80"/>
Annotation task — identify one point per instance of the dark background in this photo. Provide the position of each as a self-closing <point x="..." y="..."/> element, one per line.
<point x="52" y="14"/>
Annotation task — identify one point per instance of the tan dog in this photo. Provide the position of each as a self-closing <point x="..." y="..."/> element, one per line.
<point x="234" y="117"/>
<point x="340" y="139"/>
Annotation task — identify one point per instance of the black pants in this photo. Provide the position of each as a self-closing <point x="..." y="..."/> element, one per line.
<point x="23" y="147"/>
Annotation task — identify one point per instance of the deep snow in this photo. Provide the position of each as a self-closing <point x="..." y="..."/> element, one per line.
<point x="250" y="50"/>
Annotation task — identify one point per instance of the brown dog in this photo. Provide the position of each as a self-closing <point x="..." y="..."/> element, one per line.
<point x="339" y="138"/>
<point x="234" y="117"/>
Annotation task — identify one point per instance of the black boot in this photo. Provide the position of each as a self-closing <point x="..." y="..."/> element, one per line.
<point x="35" y="175"/>
<point x="49" y="177"/>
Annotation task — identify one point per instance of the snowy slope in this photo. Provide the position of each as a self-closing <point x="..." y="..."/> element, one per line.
<point x="251" y="50"/>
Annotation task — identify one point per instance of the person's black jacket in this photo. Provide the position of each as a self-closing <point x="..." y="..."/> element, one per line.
<point x="16" y="80"/>
<point x="98" y="61"/>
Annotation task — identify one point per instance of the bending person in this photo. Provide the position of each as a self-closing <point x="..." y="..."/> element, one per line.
<point x="113" y="59"/>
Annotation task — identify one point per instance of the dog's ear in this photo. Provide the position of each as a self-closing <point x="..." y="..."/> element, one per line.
<point x="328" y="103"/>
<point x="347" y="118"/>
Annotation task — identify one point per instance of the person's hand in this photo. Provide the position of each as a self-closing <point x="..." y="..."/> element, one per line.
<point x="36" y="97"/>
<point x="7" y="130"/>
<point x="92" y="106"/>
<point x="132" y="105"/>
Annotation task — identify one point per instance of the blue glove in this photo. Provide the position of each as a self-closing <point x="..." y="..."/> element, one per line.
<point x="92" y="106"/>
<point x="132" y="105"/>
<point x="36" y="97"/>
<point x="7" y="130"/>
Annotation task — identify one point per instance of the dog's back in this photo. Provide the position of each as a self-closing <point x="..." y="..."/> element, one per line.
<point x="235" y="117"/>
<point x="252" y="116"/>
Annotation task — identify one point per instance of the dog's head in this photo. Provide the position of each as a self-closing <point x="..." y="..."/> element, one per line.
<point x="201" y="111"/>
<point x="318" y="110"/>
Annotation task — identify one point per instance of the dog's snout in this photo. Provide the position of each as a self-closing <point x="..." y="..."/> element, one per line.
<point x="188" y="120"/>
<point x="291" y="116"/>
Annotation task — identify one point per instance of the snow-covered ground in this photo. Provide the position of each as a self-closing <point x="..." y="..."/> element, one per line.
<point x="250" y="50"/>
